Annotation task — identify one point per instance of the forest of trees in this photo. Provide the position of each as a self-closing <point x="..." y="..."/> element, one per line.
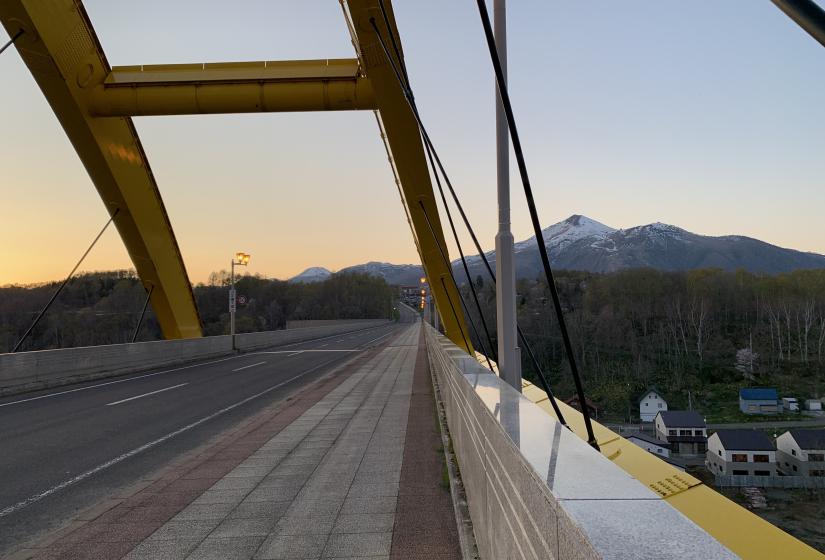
<point x="104" y="307"/>
<point x="709" y="332"/>
<point x="705" y="331"/>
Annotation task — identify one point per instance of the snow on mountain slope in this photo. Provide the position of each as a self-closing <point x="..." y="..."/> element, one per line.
<point x="312" y="274"/>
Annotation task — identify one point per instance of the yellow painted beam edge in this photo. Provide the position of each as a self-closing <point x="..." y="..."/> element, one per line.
<point x="743" y="532"/>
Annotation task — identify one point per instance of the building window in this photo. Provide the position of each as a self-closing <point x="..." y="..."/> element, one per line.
<point x="793" y="451"/>
<point x="684" y="432"/>
<point x="762" y="473"/>
<point x="660" y="405"/>
<point x="658" y="450"/>
<point x="740" y="458"/>
<point x="719" y="451"/>
<point x="817" y="472"/>
<point x="795" y="469"/>
<point x="760" y="459"/>
<point x="816" y="457"/>
<point x="671" y="432"/>
<point x="753" y="408"/>
<point x="698" y="433"/>
<point x="787" y="465"/>
<point x="740" y="473"/>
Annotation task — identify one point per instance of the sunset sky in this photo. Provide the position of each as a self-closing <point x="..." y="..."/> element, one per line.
<point x="704" y="114"/>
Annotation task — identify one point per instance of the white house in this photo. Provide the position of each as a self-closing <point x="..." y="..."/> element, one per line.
<point x="651" y="403"/>
<point x="684" y="430"/>
<point x="813" y="404"/>
<point x="741" y="452"/>
<point x="801" y="452"/>
<point x="651" y="444"/>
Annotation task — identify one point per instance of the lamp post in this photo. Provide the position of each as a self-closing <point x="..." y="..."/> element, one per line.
<point x="240" y="259"/>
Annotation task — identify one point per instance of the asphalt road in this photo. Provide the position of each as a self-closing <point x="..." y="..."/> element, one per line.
<point x="64" y="449"/>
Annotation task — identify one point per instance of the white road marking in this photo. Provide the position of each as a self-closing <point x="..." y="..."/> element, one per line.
<point x="379" y="338"/>
<point x="83" y="476"/>
<point x="296" y="352"/>
<point x="249" y="366"/>
<point x="323" y="345"/>
<point x="121" y="380"/>
<point x="147" y="394"/>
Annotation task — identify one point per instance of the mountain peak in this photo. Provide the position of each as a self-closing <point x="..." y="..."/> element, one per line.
<point x="312" y="274"/>
<point x="571" y="230"/>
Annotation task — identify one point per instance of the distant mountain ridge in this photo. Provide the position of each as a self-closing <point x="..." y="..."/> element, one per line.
<point x="581" y="243"/>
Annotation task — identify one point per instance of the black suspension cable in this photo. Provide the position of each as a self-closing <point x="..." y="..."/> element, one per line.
<point x="11" y="41"/>
<point x="407" y="87"/>
<point x="450" y="271"/>
<point x="404" y="83"/>
<point x="493" y="350"/>
<point x="534" y="217"/>
<point x="807" y="14"/>
<point x="452" y="307"/>
<point x="142" y="313"/>
<point x="63" y="285"/>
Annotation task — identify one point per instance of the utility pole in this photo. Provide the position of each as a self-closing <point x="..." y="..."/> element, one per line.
<point x="509" y="354"/>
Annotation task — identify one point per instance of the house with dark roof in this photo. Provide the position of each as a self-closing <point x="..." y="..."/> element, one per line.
<point x="592" y="408"/>
<point x="741" y="452"/>
<point x="650" y="403"/>
<point x="801" y="452"/>
<point x="759" y="401"/>
<point x="650" y="443"/>
<point x="684" y="430"/>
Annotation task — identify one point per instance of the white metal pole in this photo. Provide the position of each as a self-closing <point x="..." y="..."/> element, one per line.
<point x="509" y="356"/>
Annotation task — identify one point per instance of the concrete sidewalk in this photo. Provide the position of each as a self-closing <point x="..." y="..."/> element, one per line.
<point x="326" y="485"/>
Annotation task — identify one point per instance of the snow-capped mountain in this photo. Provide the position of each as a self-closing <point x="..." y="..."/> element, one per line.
<point x="312" y="274"/>
<point x="581" y="243"/>
<point x="398" y="274"/>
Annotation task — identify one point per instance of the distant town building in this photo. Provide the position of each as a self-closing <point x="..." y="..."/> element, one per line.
<point x="650" y="443"/>
<point x="684" y="430"/>
<point x="759" y="401"/>
<point x="651" y="403"/>
<point x="591" y="406"/>
<point x="790" y="404"/>
<point x="741" y="452"/>
<point x="813" y="404"/>
<point x="801" y="452"/>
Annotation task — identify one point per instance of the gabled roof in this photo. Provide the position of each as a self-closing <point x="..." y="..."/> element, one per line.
<point x="809" y="439"/>
<point x="682" y="418"/>
<point x="745" y="440"/>
<point x="649" y="389"/>
<point x="754" y="394"/>
<point x="649" y="439"/>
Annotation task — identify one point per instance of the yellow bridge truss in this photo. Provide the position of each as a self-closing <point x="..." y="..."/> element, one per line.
<point x="95" y="102"/>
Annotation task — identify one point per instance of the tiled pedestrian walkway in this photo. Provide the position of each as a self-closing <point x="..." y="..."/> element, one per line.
<point x="326" y="486"/>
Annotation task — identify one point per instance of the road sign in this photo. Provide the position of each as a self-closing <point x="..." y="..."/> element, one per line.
<point x="232" y="300"/>
<point x="241" y="300"/>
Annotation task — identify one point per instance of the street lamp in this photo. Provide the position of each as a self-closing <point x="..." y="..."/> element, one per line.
<point x="241" y="259"/>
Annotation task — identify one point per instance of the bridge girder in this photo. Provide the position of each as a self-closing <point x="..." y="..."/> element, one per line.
<point x="94" y="103"/>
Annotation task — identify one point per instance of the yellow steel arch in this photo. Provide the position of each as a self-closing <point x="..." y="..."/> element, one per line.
<point x="94" y="103"/>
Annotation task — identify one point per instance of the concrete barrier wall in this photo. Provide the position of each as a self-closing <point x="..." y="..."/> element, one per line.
<point x="27" y="371"/>
<point x="537" y="491"/>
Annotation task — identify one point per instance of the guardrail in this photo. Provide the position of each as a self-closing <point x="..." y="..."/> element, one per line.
<point x="536" y="490"/>
<point x="27" y="371"/>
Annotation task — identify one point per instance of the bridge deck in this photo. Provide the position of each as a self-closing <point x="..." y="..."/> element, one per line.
<point x="355" y="473"/>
